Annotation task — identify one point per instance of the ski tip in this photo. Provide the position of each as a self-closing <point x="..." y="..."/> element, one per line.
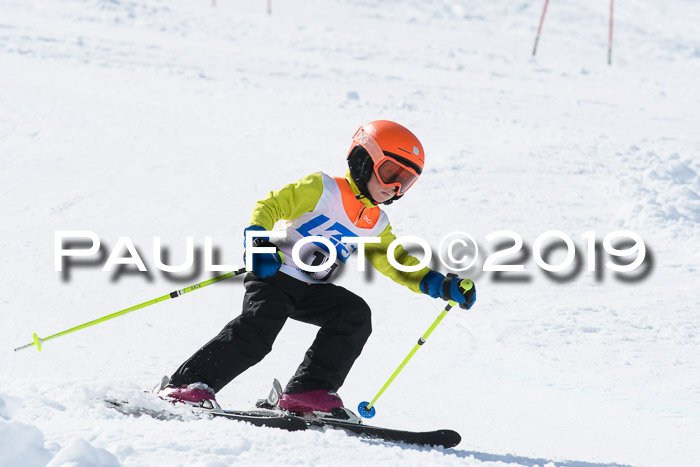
<point x="450" y="438"/>
<point x="366" y="412"/>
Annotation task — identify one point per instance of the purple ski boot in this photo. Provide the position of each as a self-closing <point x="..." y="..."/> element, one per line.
<point x="319" y="400"/>
<point x="319" y="404"/>
<point x="197" y="394"/>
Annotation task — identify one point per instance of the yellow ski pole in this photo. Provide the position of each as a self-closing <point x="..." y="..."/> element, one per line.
<point x="38" y="341"/>
<point x="366" y="409"/>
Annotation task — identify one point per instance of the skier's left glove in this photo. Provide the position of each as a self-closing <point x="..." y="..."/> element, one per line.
<point x="462" y="291"/>
<point x="264" y="264"/>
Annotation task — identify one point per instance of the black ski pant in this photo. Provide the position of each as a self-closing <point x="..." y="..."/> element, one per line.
<point x="344" y="318"/>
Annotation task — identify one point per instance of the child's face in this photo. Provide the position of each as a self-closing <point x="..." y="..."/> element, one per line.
<point x="379" y="192"/>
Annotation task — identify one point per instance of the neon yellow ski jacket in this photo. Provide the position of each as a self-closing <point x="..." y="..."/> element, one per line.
<point x="295" y="199"/>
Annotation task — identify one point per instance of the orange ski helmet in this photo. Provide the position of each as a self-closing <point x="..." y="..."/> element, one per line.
<point x="388" y="150"/>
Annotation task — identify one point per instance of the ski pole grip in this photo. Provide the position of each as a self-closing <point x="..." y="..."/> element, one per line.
<point x="466" y="284"/>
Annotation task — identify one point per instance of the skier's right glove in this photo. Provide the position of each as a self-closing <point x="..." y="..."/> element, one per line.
<point x="462" y="291"/>
<point x="264" y="264"/>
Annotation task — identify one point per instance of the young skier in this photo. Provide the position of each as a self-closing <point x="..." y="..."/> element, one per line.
<point x="385" y="160"/>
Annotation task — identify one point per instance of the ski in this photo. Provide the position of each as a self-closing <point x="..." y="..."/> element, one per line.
<point x="345" y="419"/>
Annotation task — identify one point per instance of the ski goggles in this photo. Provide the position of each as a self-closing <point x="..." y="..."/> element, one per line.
<point x="390" y="170"/>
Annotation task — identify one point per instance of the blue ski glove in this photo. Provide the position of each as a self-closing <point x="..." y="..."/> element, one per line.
<point x="462" y="291"/>
<point x="264" y="264"/>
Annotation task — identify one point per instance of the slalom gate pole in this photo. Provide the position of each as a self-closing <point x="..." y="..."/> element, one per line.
<point x="610" y="34"/>
<point x="366" y="409"/>
<point x="539" y="29"/>
<point x="38" y="341"/>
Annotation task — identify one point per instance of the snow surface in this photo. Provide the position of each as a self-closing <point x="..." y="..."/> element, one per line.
<point x="172" y="118"/>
